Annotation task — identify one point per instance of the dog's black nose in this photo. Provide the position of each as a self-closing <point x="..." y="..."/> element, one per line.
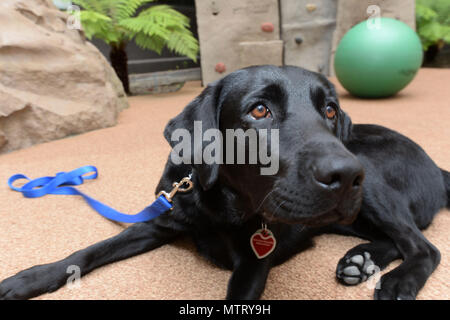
<point x="338" y="174"/>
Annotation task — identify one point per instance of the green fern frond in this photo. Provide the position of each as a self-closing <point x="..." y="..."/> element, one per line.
<point x="98" y="25"/>
<point x="93" y="22"/>
<point x="91" y="5"/>
<point x="183" y="43"/>
<point x="145" y="26"/>
<point x="127" y="8"/>
<point x="165" y="15"/>
<point x="94" y="17"/>
<point x="154" y="43"/>
<point x="158" y="20"/>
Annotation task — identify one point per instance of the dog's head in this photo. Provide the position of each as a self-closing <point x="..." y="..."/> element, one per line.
<point x="312" y="178"/>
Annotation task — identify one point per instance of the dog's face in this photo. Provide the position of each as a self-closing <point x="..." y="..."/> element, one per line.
<point x="317" y="181"/>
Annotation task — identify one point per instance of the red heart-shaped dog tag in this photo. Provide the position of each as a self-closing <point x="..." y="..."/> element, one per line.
<point x="263" y="243"/>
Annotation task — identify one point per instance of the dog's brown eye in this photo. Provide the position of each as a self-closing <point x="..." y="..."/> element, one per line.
<point x="330" y="112"/>
<point x="260" y="112"/>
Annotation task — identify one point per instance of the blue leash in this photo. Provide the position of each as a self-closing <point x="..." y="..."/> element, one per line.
<point x="62" y="182"/>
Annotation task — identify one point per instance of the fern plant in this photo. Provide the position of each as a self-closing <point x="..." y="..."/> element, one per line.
<point x="433" y="22"/>
<point x="116" y="22"/>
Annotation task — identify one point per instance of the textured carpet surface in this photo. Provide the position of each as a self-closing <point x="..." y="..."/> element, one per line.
<point x="130" y="158"/>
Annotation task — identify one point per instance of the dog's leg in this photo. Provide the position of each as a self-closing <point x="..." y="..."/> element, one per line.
<point x="136" y="239"/>
<point x="364" y="260"/>
<point x="420" y="260"/>
<point x="248" y="279"/>
<point x="394" y="220"/>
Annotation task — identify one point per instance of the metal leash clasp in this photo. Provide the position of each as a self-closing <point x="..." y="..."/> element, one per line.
<point x="178" y="187"/>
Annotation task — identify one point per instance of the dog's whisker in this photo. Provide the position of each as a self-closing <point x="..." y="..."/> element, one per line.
<point x="281" y="203"/>
<point x="266" y="197"/>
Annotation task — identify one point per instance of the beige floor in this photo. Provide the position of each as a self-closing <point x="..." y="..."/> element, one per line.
<point x="130" y="158"/>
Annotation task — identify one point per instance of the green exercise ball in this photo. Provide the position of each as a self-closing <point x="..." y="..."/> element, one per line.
<point x="378" y="59"/>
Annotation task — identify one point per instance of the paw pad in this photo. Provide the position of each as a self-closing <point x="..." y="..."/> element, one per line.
<point x="355" y="269"/>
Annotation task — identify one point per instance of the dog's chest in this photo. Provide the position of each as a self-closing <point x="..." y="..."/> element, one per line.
<point x="225" y="247"/>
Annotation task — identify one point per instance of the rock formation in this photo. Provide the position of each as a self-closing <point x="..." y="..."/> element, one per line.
<point x="53" y="82"/>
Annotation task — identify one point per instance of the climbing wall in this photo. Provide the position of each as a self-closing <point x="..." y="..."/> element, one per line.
<point x="237" y="33"/>
<point x="307" y="31"/>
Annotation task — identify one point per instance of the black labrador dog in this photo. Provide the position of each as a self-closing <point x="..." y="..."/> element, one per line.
<point x="360" y="180"/>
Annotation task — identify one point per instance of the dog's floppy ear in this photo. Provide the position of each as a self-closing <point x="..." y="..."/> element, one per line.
<point x="344" y="127"/>
<point x="203" y="108"/>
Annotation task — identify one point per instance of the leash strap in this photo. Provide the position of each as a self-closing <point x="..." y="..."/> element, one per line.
<point x="62" y="184"/>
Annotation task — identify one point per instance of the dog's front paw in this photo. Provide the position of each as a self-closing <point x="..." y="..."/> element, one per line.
<point x="395" y="286"/>
<point x="29" y="283"/>
<point x="355" y="268"/>
<point x="15" y="287"/>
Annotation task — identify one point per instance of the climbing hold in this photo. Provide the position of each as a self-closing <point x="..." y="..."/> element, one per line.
<point x="220" y="67"/>
<point x="311" y="7"/>
<point x="267" y="27"/>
